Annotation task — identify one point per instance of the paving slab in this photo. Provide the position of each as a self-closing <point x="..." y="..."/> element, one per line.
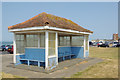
<point x="64" y="69"/>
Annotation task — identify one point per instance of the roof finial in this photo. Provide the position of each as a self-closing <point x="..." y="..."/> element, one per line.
<point x="43" y="13"/>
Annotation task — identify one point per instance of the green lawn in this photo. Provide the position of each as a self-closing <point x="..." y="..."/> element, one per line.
<point x="106" y="69"/>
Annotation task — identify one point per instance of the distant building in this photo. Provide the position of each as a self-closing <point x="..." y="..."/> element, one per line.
<point x="115" y="36"/>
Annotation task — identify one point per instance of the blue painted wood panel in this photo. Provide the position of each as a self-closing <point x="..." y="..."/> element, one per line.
<point x="35" y="54"/>
<point x="87" y="53"/>
<point x="78" y="51"/>
<point x="39" y="54"/>
<point x="64" y="49"/>
<point x="52" y="62"/>
<point x="18" y="57"/>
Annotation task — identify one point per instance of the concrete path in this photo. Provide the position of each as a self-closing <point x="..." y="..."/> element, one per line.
<point x="0" y="52"/>
<point x="66" y="72"/>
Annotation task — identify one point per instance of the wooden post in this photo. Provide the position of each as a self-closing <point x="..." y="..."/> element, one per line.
<point x="14" y="50"/>
<point x="56" y="47"/>
<point x="46" y="49"/>
<point x="84" y="46"/>
<point x="88" y="43"/>
<point x="25" y="42"/>
<point x="70" y="40"/>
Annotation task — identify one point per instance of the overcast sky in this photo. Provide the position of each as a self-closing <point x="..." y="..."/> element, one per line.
<point x="99" y="17"/>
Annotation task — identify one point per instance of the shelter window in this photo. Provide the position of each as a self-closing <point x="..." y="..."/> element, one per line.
<point x="86" y="42"/>
<point x="20" y="43"/>
<point x="32" y="40"/>
<point x="51" y="42"/>
<point x="77" y="40"/>
<point x="42" y="40"/>
<point x="64" y="40"/>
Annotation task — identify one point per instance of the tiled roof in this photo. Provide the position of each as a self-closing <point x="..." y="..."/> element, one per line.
<point x="44" y="19"/>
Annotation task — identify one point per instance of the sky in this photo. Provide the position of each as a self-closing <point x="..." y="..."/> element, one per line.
<point x="99" y="17"/>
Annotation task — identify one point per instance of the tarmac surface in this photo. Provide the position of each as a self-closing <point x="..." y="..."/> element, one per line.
<point x="66" y="68"/>
<point x="0" y="52"/>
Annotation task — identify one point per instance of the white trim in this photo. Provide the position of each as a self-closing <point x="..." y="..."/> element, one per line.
<point x="46" y="49"/>
<point x="88" y="44"/>
<point x="56" y="47"/>
<point x="31" y="32"/>
<point x="48" y="27"/>
<point x="84" y="45"/>
<point x="67" y="30"/>
<point x="51" y="56"/>
<point x="14" y="43"/>
<point x="25" y="29"/>
<point x="20" y="54"/>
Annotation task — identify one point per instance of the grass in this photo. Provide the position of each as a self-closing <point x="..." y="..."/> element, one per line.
<point x="106" y="69"/>
<point x="5" y="75"/>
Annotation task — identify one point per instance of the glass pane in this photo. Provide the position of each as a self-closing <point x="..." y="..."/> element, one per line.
<point x="86" y="42"/>
<point x="36" y="43"/>
<point x="22" y="37"/>
<point x="51" y="43"/>
<point x="52" y="36"/>
<point x="51" y="51"/>
<point x="67" y="40"/>
<point x="20" y="43"/>
<point x="61" y="43"/>
<point x="17" y="37"/>
<point x="32" y="40"/>
<point x="77" y="40"/>
<point x="64" y="41"/>
<point x="42" y="40"/>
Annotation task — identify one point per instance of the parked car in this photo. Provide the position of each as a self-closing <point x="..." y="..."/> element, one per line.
<point x="99" y="43"/>
<point x="95" y="43"/>
<point x="10" y="49"/>
<point x="90" y="43"/>
<point x="114" y="44"/>
<point x="7" y="46"/>
<point x="106" y="44"/>
<point x="118" y="45"/>
<point x="3" y="48"/>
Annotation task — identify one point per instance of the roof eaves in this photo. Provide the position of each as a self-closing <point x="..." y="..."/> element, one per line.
<point x="48" y="28"/>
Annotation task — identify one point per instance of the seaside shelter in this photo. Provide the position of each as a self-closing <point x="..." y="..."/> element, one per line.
<point x="46" y="39"/>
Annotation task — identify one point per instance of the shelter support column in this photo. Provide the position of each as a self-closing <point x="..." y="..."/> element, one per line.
<point x="84" y="45"/>
<point x="14" y="50"/>
<point x="88" y="44"/>
<point x="56" y="47"/>
<point x="46" y="49"/>
<point x="70" y="40"/>
<point x="25" y="43"/>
